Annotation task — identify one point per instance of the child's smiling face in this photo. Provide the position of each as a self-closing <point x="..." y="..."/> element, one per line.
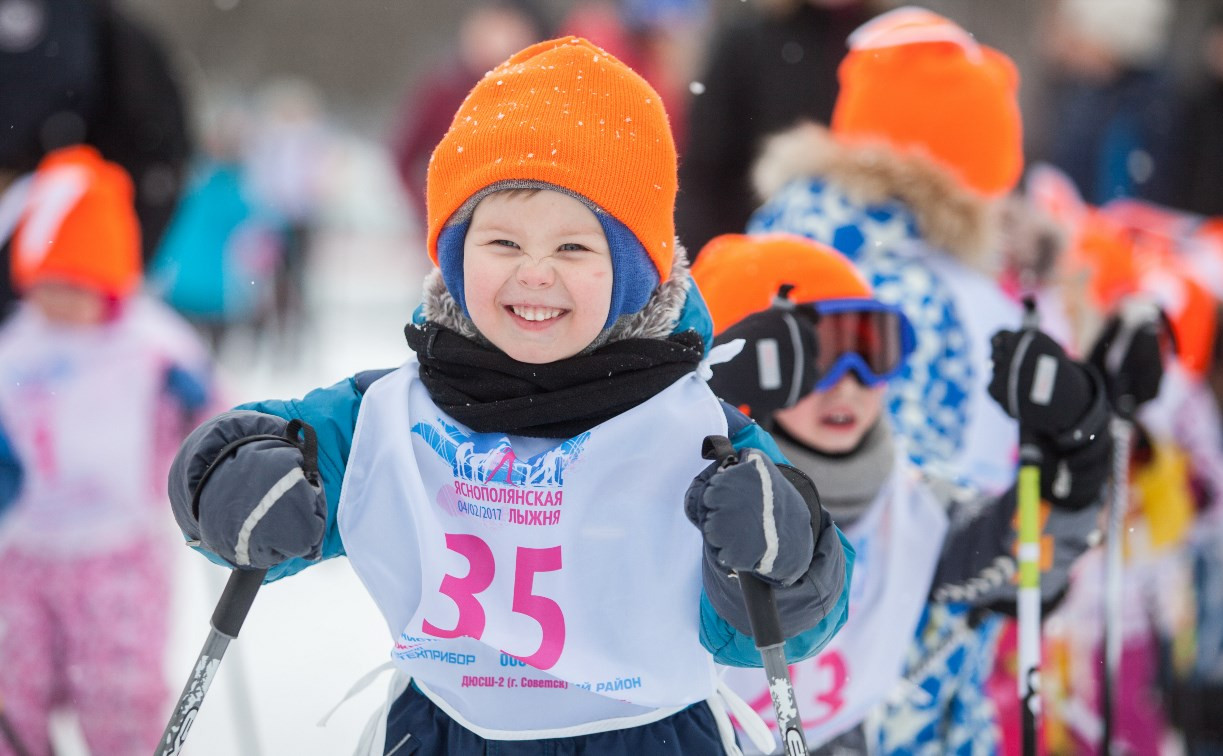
<point x="538" y="274"/>
<point x="834" y="421"/>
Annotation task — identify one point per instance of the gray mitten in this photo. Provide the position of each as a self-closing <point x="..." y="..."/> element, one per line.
<point x="752" y="519"/>
<point x="247" y="488"/>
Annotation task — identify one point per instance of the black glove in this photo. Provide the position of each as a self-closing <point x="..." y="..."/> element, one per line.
<point x="752" y="519"/>
<point x="1048" y="392"/>
<point x="1062" y="403"/>
<point x="777" y="365"/>
<point x="1130" y="354"/>
<point x="247" y="488"/>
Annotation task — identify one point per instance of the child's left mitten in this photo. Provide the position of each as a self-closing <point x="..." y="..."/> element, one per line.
<point x="246" y="486"/>
<point x="752" y="519"/>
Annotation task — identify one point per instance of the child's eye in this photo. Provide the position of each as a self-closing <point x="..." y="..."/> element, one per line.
<point x="572" y="247"/>
<point x="504" y="243"/>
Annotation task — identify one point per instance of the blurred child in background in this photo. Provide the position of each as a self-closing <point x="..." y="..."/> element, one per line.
<point x="97" y="384"/>
<point x="908" y="674"/>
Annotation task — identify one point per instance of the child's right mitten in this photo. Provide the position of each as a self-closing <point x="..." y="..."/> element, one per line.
<point x="752" y="519"/>
<point x="246" y="486"/>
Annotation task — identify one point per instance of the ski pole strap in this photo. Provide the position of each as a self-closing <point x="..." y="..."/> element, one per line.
<point x="236" y="601"/>
<point x="308" y="446"/>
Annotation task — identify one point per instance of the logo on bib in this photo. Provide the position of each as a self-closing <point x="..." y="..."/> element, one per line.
<point x="491" y="483"/>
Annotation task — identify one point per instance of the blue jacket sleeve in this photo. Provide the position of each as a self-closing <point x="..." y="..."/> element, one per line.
<point x="332" y="412"/>
<point x="11" y="473"/>
<point x="813" y="610"/>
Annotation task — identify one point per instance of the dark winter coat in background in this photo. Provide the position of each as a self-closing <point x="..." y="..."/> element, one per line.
<point x="1201" y="148"/>
<point x="85" y="73"/>
<point x="763" y="76"/>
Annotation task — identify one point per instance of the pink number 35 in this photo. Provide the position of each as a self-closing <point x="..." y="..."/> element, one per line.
<point x="462" y="591"/>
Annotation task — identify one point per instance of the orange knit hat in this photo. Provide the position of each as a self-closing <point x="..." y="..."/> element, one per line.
<point x="739" y="274"/>
<point x="79" y="225"/>
<point x="567" y="114"/>
<point x="922" y="84"/>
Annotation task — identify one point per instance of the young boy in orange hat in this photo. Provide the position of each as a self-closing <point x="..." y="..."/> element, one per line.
<point x="93" y="380"/>
<point x="925" y="138"/>
<point x="907" y="673"/>
<point x="519" y="497"/>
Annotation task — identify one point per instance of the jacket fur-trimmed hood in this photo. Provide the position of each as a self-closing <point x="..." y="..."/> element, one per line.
<point x="948" y="216"/>
<point x="657" y="320"/>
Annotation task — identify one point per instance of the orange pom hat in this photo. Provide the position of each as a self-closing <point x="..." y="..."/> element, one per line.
<point x="738" y="274"/>
<point x="562" y="114"/>
<point x="920" y="83"/>
<point x="79" y="226"/>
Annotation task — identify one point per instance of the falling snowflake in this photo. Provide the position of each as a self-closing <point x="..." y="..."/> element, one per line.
<point x="696" y="88"/>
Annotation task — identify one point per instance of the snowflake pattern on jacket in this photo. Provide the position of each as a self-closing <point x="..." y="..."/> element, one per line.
<point x="928" y="400"/>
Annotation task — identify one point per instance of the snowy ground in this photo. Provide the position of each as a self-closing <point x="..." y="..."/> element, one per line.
<point x="307" y="638"/>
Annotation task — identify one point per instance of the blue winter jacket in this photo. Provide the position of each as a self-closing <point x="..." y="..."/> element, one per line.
<point x="332" y="411"/>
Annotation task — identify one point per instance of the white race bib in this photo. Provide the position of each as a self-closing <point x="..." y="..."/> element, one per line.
<point x="80" y="406"/>
<point x="534" y="587"/>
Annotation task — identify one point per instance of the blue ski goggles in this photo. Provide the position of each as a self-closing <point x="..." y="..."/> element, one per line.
<point x="867" y="337"/>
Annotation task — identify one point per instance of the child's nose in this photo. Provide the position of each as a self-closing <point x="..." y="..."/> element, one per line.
<point x="536" y="273"/>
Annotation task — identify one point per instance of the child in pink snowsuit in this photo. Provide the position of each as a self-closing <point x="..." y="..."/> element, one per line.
<point x="96" y="385"/>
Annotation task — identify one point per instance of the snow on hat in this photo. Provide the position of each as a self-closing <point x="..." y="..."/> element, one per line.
<point x="740" y="274"/>
<point x="79" y="225"/>
<point x="563" y="115"/>
<point x="922" y="84"/>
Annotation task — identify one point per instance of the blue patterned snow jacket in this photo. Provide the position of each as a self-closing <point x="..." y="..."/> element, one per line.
<point x="923" y="243"/>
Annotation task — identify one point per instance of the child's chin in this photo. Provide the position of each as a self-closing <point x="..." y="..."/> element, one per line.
<point x="535" y="352"/>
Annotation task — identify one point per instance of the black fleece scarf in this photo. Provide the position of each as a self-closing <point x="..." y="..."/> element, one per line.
<point x="488" y="391"/>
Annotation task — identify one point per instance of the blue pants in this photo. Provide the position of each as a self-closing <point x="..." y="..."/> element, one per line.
<point x="416" y="727"/>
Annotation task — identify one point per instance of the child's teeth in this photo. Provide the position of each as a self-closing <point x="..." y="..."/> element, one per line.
<point x="536" y="313"/>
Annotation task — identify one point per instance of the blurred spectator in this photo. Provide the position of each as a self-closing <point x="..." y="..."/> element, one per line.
<point x="81" y="71"/>
<point x="489" y="33"/>
<point x="1113" y="114"/>
<point x="218" y="259"/>
<point x="663" y="40"/>
<point x="285" y="156"/>
<point x="1201" y="183"/>
<point x="763" y="75"/>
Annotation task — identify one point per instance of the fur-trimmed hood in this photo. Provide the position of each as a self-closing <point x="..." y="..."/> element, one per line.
<point x="657" y="320"/>
<point x="948" y="216"/>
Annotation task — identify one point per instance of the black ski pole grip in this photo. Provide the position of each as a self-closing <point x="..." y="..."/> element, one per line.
<point x="762" y="614"/>
<point x="236" y="601"/>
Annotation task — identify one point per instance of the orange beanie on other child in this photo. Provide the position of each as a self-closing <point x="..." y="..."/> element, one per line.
<point x="740" y="274"/>
<point x="79" y="226"/>
<point x="921" y="84"/>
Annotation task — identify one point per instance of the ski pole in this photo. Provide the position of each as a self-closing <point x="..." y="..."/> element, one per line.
<point x="10" y="733"/>
<point x="1029" y="553"/>
<point x="765" y="620"/>
<point x="1118" y="504"/>
<point x="1132" y="317"/>
<point x="227" y="620"/>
